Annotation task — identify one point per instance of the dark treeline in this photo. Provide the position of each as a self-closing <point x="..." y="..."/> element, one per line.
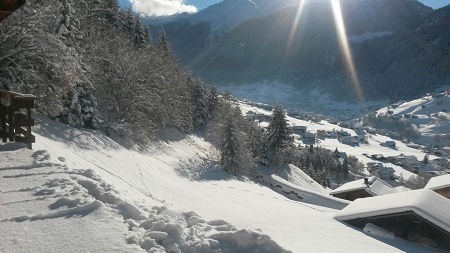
<point x="93" y="65"/>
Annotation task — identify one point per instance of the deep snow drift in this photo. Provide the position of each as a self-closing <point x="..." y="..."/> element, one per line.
<point x="79" y="191"/>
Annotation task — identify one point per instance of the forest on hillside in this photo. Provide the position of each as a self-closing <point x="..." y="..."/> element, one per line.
<point x="93" y="65"/>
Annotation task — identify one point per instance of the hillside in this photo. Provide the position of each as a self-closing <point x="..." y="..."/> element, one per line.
<point x="190" y="34"/>
<point x="399" y="48"/>
<point x="81" y="191"/>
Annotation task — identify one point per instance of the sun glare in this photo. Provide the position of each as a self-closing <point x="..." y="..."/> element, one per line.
<point x="294" y="27"/>
<point x="345" y="48"/>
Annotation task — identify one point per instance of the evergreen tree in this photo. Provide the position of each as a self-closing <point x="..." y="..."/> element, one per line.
<point x="229" y="148"/>
<point x="139" y="39"/>
<point x="64" y="21"/>
<point x="425" y="159"/>
<point x="278" y="130"/>
<point x="82" y="108"/>
<point x="213" y="101"/>
<point x="200" y="102"/>
<point x="163" y="42"/>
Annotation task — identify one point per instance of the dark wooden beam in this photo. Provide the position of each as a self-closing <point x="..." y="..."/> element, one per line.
<point x="7" y="7"/>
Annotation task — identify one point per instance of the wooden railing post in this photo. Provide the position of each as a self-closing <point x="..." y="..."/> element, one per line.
<point x="3" y="123"/>
<point x="15" y="125"/>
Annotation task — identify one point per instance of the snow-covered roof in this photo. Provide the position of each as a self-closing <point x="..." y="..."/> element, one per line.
<point x="438" y="182"/>
<point x="425" y="203"/>
<point x="376" y="187"/>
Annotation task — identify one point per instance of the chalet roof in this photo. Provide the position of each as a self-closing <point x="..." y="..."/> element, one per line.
<point x="425" y="203"/>
<point x="7" y="7"/>
<point x="376" y="187"/>
<point x="438" y="182"/>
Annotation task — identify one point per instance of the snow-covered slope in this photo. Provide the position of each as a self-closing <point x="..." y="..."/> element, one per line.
<point x="293" y="174"/>
<point x="373" y="145"/>
<point x="227" y="14"/>
<point x="79" y="191"/>
<point x="430" y="114"/>
<point x="230" y="13"/>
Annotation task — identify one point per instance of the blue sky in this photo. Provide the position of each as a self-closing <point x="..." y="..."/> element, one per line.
<point x="157" y="8"/>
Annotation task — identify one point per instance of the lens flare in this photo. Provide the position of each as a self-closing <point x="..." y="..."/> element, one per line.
<point x="345" y="48"/>
<point x="294" y="27"/>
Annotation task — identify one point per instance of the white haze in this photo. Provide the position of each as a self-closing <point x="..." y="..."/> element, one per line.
<point x="154" y="8"/>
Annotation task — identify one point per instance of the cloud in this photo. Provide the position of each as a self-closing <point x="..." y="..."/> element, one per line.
<point x="156" y="8"/>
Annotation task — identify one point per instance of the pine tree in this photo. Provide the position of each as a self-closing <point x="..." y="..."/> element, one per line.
<point x="213" y="101"/>
<point x="82" y="108"/>
<point x="200" y="102"/>
<point x="64" y="22"/>
<point x="278" y="130"/>
<point x="229" y="148"/>
<point x="425" y="159"/>
<point x="163" y="42"/>
<point x="139" y="39"/>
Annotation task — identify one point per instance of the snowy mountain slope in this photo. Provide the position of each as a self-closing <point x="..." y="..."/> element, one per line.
<point x="106" y="198"/>
<point x="430" y="114"/>
<point x="227" y="14"/>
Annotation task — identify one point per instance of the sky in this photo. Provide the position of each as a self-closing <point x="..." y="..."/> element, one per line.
<point x="169" y="7"/>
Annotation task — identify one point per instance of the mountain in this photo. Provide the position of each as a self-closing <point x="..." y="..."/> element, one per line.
<point x="400" y="48"/>
<point x="189" y="34"/>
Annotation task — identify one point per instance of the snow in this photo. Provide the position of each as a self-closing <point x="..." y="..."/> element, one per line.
<point x="377" y="231"/>
<point x="426" y="203"/>
<point x="360" y="38"/>
<point x="296" y="176"/>
<point x="376" y="187"/>
<point x="431" y="114"/>
<point x="79" y="191"/>
<point x="301" y="194"/>
<point x="371" y="147"/>
<point x="439" y="182"/>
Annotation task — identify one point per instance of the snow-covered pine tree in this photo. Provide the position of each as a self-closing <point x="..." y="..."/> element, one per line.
<point x="229" y="147"/>
<point x="139" y="39"/>
<point x="82" y="108"/>
<point x="200" y="103"/>
<point x="278" y="131"/>
<point x="64" y="22"/>
<point x="213" y="101"/>
<point x="163" y="42"/>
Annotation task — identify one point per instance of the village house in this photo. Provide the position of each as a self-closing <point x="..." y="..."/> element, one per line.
<point x="342" y="155"/>
<point x="300" y="130"/>
<point x="309" y="137"/>
<point x="373" y="165"/>
<point x="362" y="188"/>
<point x="262" y="117"/>
<point x="349" y="140"/>
<point x="322" y="133"/>
<point x="360" y="131"/>
<point x="419" y="216"/>
<point x="441" y="185"/>
<point x="385" y="172"/>
<point x="390" y="144"/>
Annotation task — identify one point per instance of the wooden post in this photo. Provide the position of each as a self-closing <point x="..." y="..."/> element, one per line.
<point x="11" y="123"/>
<point x="29" y="143"/>
<point x="15" y="125"/>
<point x="3" y="123"/>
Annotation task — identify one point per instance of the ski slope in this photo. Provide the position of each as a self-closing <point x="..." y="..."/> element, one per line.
<point x="79" y="191"/>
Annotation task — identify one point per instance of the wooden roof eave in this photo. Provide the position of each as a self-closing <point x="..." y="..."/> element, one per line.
<point x="7" y="7"/>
